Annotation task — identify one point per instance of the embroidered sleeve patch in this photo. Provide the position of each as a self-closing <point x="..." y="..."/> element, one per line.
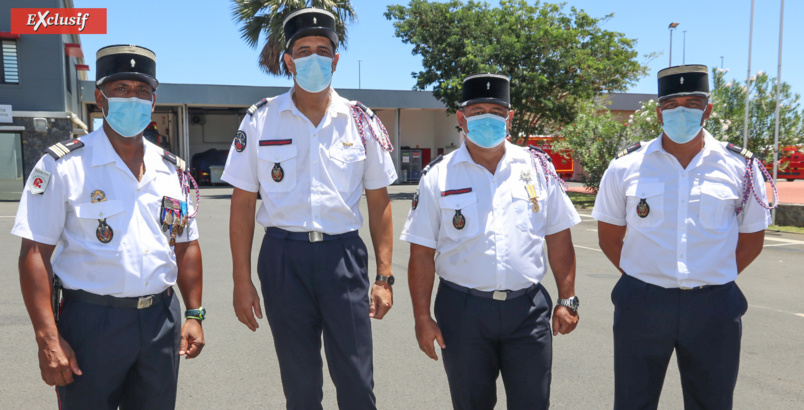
<point x="37" y="182"/>
<point x="240" y="141"/>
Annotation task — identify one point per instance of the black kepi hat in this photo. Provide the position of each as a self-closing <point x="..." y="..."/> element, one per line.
<point x="125" y="62"/>
<point x="486" y="88"/>
<point x="682" y="80"/>
<point x="310" y="22"/>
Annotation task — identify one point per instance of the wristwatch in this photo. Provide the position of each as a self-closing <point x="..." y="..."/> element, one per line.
<point x="197" y="314"/>
<point x="571" y="303"/>
<point x="388" y="279"/>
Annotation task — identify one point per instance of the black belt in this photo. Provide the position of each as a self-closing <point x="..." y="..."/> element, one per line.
<point x="500" y="295"/>
<point x="306" y="236"/>
<point x="142" y="302"/>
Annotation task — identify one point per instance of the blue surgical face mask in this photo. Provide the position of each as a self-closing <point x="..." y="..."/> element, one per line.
<point x="313" y="73"/>
<point x="128" y="116"/>
<point x="682" y="124"/>
<point x="486" y="130"/>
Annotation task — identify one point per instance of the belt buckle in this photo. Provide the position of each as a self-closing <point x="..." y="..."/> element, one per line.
<point x="145" y="302"/>
<point x="499" y="295"/>
<point x="685" y="288"/>
<point x="316" y="236"/>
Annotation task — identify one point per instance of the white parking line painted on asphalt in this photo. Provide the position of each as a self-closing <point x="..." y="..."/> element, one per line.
<point x="778" y="244"/>
<point x="584" y="247"/>
<point x="787" y="241"/>
<point x="592" y="230"/>
<point x="776" y="310"/>
<point x="586" y="216"/>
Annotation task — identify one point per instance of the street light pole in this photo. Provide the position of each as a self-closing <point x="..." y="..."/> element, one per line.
<point x="359" y="74"/>
<point x="721" y="62"/>
<point x="748" y="80"/>
<point x="671" y="27"/>
<point x="684" y="49"/>
<point x="778" y="96"/>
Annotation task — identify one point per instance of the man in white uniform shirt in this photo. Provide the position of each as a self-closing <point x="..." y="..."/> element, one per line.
<point x="692" y="227"/>
<point x="480" y="219"/>
<point x="310" y="154"/>
<point x="116" y="337"/>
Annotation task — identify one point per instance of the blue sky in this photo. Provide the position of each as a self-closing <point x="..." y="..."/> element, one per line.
<point x="197" y="42"/>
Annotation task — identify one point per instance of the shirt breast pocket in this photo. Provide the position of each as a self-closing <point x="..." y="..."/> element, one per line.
<point x="644" y="204"/>
<point x="277" y="167"/>
<point x="459" y="216"/>
<point x="526" y="218"/>
<point x="90" y="216"/>
<point x="718" y="205"/>
<point x="346" y="167"/>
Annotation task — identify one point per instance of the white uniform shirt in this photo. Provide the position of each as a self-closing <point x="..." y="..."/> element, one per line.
<point x="138" y="261"/>
<point x="325" y="167"/>
<point x="501" y="246"/>
<point x="689" y="237"/>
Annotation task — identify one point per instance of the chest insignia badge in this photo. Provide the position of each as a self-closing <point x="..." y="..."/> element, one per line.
<point x="277" y="173"/>
<point x="103" y="232"/>
<point x="458" y="221"/>
<point x="97" y="196"/>
<point x="643" y="209"/>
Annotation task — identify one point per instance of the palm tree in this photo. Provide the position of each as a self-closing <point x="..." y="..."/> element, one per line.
<point x="266" y="17"/>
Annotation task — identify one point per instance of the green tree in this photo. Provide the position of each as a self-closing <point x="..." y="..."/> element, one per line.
<point x="265" y="17"/>
<point x="728" y="114"/>
<point x="557" y="61"/>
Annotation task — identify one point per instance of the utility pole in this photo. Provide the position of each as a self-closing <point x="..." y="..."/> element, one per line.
<point x="359" y="74"/>
<point x="778" y="96"/>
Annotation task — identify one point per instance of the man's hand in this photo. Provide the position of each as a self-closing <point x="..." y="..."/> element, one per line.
<point x="57" y="362"/>
<point x="192" y="339"/>
<point x="564" y="320"/>
<point x="247" y="304"/>
<point x="382" y="298"/>
<point x="427" y="331"/>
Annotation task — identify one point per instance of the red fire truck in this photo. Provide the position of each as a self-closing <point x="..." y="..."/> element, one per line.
<point x="562" y="160"/>
<point x="791" y="164"/>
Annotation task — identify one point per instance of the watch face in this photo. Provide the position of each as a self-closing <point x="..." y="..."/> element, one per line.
<point x="391" y="280"/>
<point x="575" y="302"/>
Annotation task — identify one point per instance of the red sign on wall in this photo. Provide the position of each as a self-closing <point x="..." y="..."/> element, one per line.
<point x="58" y="21"/>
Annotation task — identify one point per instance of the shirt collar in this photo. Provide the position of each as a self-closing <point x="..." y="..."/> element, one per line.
<point x="337" y="105"/>
<point x="513" y="153"/>
<point x="103" y="153"/>
<point x="710" y="144"/>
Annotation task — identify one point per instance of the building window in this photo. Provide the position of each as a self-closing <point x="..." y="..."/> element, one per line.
<point x="9" y="69"/>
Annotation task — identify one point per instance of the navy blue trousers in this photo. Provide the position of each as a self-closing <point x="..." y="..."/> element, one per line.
<point x="703" y="326"/>
<point x="310" y="288"/>
<point x="485" y="338"/>
<point x="129" y="357"/>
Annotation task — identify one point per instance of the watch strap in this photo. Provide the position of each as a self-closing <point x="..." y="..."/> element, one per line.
<point x="197" y="314"/>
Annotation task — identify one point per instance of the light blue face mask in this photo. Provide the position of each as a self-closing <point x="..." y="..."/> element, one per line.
<point x="313" y="73"/>
<point x="128" y="116"/>
<point x="682" y="124"/>
<point x="486" y="130"/>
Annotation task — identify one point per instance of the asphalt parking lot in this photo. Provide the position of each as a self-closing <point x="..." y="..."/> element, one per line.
<point x="238" y="369"/>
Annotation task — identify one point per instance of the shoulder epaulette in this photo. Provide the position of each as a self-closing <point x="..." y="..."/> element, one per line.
<point x="365" y="109"/>
<point x="432" y="164"/>
<point x="174" y="159"/>
<point x="257" y="106"/>
<point x="539" y="151"/>
<point x="633" y="147"/>
<point x="60" y="149"/>
<point x="739" y="150"/>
